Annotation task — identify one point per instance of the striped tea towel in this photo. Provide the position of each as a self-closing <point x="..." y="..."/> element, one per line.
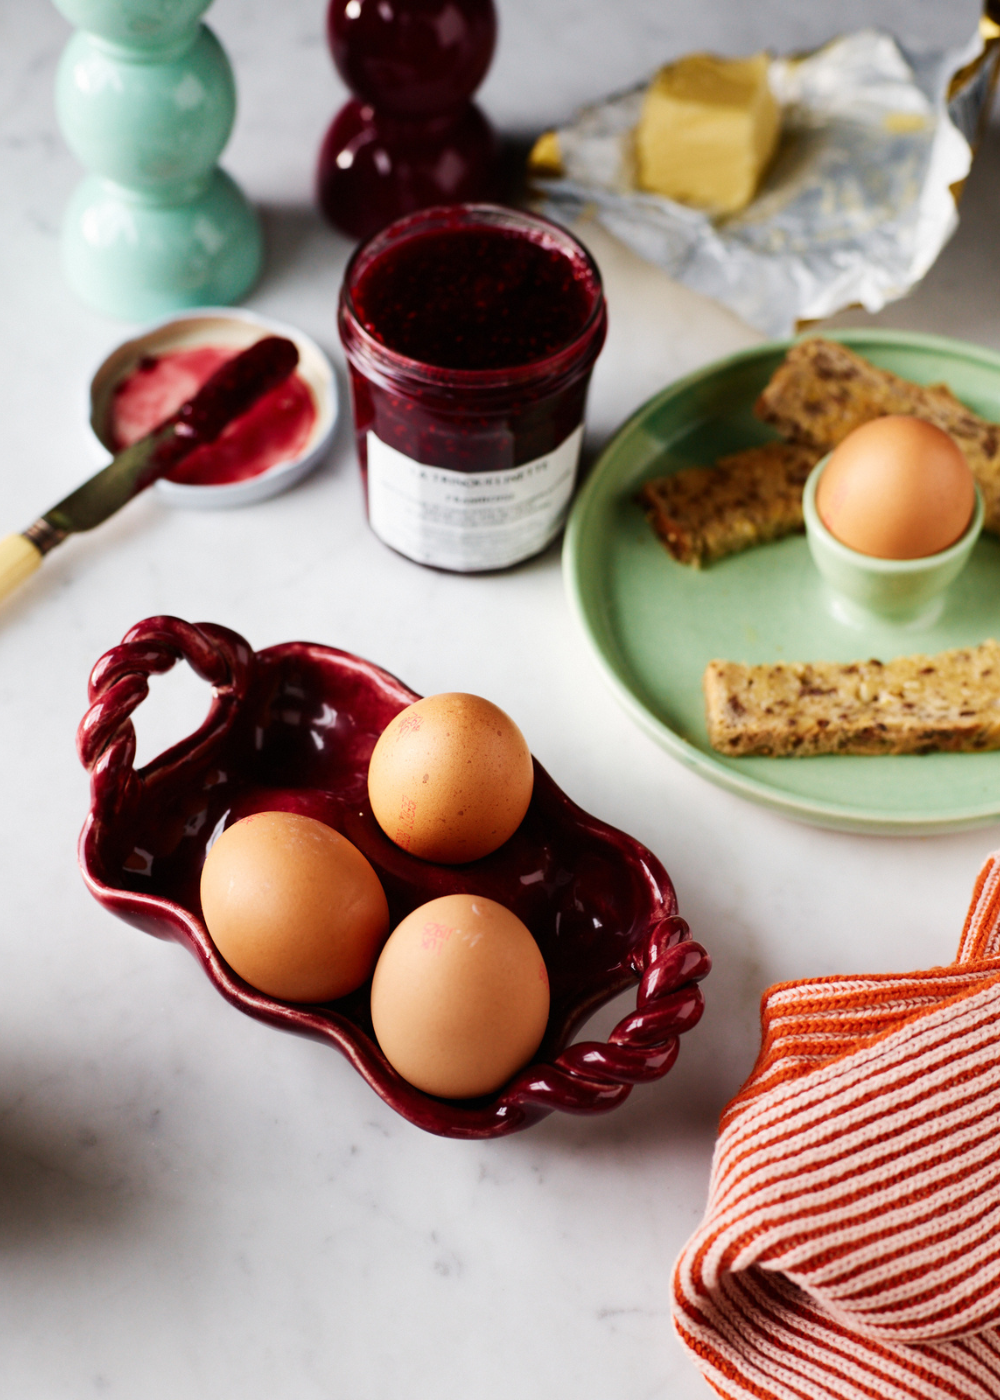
<point x="851" y="1242"/>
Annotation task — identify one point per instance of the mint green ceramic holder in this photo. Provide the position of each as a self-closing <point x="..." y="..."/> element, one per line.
<point x="146" y="100"/>
<point x="863" y="590"/>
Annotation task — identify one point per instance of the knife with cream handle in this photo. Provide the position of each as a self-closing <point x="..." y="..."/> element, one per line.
<point x="232" y="390"/>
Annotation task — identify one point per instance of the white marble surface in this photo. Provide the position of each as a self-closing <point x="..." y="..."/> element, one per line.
<point x="192" y="1204"/>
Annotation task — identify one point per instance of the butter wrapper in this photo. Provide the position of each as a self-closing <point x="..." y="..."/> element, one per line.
<point x="855" y="207"/>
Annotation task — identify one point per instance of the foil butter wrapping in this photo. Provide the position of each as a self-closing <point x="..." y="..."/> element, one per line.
<point x="855" y="207"/>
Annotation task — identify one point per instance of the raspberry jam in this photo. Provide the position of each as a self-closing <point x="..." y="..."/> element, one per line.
<point x="472" y="298"/>
<point x="471" y="332"/>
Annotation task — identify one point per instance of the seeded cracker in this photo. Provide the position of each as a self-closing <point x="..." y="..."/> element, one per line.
<point x="914" y="704"/>
<point x="823" y="391"/>
<point x="705" y="513"/>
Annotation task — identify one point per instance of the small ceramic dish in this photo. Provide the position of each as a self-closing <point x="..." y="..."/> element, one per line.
<point x="292" y="728"/>
<point x="864" y="589"/>
<point x="221" y="326"/>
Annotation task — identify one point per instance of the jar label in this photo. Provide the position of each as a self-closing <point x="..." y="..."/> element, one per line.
<point x="468" y="521"/>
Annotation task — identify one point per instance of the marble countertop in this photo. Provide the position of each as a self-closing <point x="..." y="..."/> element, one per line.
<point x="192" y="1204"/>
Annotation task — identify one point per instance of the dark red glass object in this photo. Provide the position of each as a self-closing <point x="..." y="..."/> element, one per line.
<point x="487" y="376"/>
<point x="373" y="168"/>
<point x="412" y="58"/>
<point x="292" y="728"/>
<point x="411" y="138"/>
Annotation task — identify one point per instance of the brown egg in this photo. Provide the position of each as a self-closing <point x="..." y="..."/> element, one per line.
<point x="293" y="907"/>
<point x="450" y="778"/>
<point x="896" y="488"/>
<point x="460" y="997"/>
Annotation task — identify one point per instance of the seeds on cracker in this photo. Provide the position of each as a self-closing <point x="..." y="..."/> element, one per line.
<point x="704" y="513"/>
<point x="913" y="704"/>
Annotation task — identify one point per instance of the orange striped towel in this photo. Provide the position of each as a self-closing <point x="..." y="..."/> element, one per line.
<point x="851" y="1242"/>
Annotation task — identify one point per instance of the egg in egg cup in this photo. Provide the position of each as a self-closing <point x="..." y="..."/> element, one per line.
<point x="865" y="589"/>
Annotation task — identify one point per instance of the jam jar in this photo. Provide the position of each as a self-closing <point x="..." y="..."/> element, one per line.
<point x="470" y="331"/>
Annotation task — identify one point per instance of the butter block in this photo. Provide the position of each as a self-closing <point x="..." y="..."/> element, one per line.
<point x="546" y="155"/>
<point x="708" y="128"/>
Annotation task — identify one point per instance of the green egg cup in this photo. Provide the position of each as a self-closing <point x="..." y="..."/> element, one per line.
<point x="862" y="589"/>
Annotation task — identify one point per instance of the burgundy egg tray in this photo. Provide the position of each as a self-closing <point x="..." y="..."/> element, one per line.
<point x="292" y="728"/>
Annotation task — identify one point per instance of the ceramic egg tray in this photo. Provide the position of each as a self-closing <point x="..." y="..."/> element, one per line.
<point x="292" y="728"/>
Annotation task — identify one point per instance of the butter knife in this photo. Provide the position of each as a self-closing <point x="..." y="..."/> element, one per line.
<point x="232" y="390"/>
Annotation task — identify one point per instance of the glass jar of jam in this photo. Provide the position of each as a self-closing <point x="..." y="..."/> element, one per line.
<point x="471" y="332"/>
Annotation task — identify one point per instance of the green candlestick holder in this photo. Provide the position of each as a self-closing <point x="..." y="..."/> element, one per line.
<point x="146" y="100"/>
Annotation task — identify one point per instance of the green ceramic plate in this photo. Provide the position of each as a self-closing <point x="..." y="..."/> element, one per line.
<point x="654" y="624"/>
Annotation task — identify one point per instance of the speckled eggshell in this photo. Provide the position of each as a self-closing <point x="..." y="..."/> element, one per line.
<point x="460" y="997"/>
<point x="897" y="488"/>
<point x="294" y="908"/>
<point x="450" y="778"/>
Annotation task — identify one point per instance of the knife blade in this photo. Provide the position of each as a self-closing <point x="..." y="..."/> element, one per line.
<point x="228" y="394"/>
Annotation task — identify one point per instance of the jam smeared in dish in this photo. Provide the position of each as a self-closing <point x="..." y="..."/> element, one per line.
<point x="276" y="429"/>
<point x="473" y="299"/>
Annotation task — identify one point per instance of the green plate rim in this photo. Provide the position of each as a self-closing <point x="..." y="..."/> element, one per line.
<point x="584" y="523"/>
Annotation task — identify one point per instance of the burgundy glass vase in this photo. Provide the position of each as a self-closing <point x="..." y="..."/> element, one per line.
<point x="411" y="137"/>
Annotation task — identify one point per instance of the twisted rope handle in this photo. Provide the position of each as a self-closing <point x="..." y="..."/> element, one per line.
<point x="591" y="1076"/>
<point x="120" y="682"/>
